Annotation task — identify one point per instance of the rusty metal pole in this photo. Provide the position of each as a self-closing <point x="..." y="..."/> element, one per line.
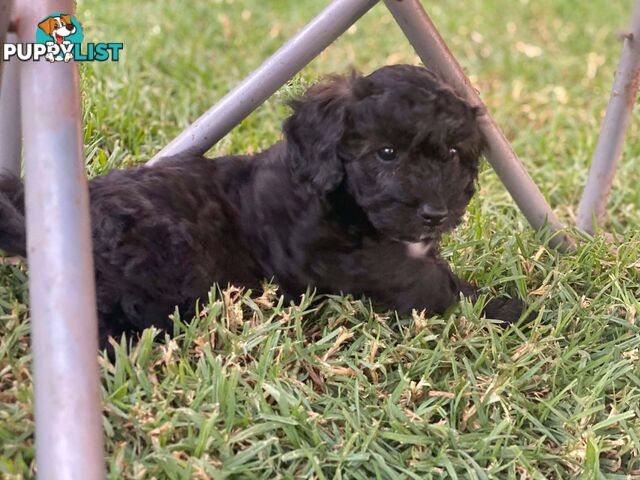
<point x="10" y="134"/>
<point x="432" y="49"/>
<point x="61" y="277"/>
<point x="6" y="9"/>
<point x="611" y="139"/>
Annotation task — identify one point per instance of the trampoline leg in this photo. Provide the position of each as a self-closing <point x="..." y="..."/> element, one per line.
<point x="610" y="142"/>
<point x="6" y="9"/>
<point x="219" y="120"/>
<point x="10" y="135"/>
<point x="433" y="51"/>
<point x="61" y="278"/>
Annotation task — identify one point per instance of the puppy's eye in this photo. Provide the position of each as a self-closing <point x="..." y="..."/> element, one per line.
<point x="453" y="153"/>
<point x="387" y="154"/>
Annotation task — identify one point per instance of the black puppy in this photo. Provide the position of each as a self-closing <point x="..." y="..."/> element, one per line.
<point x="371" y="172"/>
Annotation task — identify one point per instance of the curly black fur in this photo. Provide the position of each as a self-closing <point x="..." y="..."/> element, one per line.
<point x="322" y="208"/>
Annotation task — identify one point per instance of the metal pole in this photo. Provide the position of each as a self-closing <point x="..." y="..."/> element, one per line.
<point x="6" y="8"/>
<point x="433" y="51"/>
<point x="61" y="279"/>
<point x="268" y="78"/>
<point x="614" y="125"/>
<point x="10" y="135"/>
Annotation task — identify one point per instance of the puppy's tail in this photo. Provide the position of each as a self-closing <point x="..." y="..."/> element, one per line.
<point x="12" y="222"/>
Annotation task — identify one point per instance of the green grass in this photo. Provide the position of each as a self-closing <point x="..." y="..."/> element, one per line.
<point x="257" y="389"/>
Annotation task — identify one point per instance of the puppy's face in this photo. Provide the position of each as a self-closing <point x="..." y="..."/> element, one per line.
<point x="411" y="150"/>
<point x="404" y="144"/>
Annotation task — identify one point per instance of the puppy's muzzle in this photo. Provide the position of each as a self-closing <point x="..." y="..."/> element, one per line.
<point x="432" y="216"/>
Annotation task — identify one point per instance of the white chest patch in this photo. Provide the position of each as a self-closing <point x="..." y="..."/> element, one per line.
<point x="418" y="249"/>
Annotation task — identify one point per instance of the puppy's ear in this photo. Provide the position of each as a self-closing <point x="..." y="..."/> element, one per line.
<point x="47" y="25"/>
<point x="66" y="19"/>
<point x="314" y="131"/>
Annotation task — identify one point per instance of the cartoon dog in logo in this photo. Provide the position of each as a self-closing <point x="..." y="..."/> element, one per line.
<point x="58" y="28"/>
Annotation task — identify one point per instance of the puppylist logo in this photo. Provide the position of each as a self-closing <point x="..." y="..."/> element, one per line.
<point x="59" y="39"/>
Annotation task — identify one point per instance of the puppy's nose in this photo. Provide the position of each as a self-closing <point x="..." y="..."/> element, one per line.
<point x="432" y="216"/>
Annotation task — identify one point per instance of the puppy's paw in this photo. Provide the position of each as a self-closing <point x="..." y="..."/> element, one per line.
<point x="507" y="310"/>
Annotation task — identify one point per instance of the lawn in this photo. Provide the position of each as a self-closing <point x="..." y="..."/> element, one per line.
<point x="254" y="388"/>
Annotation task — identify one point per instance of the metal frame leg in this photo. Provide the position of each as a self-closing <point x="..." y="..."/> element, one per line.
<point x="614" y="125"/>
<point x="61" y="281"/>
<point x="6" y="9"/>
<point x="214" y="124"/>
<point x="432" y="49"/>
<point x="10" y="134"/>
